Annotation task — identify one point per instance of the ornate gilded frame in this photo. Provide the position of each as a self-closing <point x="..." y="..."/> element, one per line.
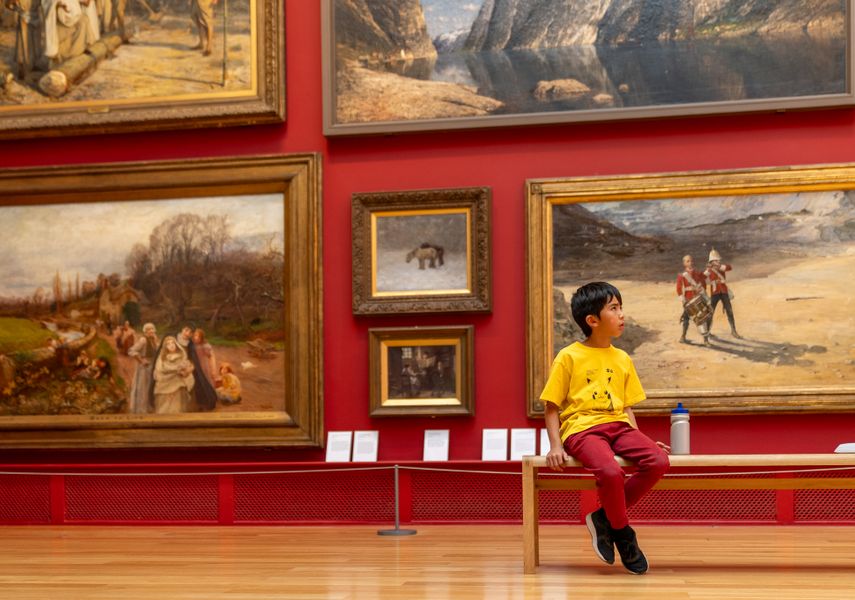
<point x="461" y="403"/>
<point x="366" y="208"/>
<point x="263" y="102"/>
<point x="297" y="177"/>
<point x="544" y="194"/>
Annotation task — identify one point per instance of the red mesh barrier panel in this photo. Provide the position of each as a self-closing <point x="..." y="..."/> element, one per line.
<point x="176" y="498"/>
<point x="560" y="505"/>
<point x="439" y="496"/>
<point x="824" y="505"/>
<point x="24" y="499"/>
<point x="343" y="496"/>
<point x="706" y="505"/>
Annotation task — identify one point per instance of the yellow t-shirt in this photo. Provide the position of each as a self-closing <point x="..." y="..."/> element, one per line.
<point x="591" y="386"/>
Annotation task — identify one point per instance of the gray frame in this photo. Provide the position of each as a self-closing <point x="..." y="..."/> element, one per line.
<point x="781" y="104"/>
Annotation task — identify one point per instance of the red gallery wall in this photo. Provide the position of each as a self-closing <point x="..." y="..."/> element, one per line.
<point x="501" y="159"/>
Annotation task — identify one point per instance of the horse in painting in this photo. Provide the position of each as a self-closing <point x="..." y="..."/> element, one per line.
<point x="427" y="253"/>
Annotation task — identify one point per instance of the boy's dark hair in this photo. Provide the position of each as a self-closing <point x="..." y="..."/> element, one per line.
<point x="590" y="299"/>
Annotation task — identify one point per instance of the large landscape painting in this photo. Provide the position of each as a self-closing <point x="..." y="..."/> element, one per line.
<point x="791" y="257"/>
<point x="141" y="310"/>
<point x="782" y="332"/>
<point x="419" y="64"/>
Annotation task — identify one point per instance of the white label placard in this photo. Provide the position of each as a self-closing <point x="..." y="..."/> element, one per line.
<point x="494" y="444"/>
<point x="523" y="443"/>
<point x="338" y="446"/>
<point x="436" y="445"/>
<point x="544" y="442"/>
<point x="365" y="444"/>
<point x="845" y="448"/>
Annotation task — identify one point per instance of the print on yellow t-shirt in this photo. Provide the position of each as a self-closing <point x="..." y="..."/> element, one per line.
<point x="591" y="386"/>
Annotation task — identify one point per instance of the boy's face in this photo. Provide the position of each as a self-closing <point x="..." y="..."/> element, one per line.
<point x="610" y="319"/>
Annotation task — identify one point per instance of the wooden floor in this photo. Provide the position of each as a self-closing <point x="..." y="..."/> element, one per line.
<point x="460" y="562"/>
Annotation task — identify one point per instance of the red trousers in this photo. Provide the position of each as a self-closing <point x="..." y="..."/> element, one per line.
<point x="596" y="447"/>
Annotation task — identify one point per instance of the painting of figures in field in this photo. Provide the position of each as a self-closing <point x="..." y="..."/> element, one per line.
<point x="104" y="52"/>
<point x="419" y="60"/>
<point x="772" y="274"/>
<point x="425" y="252"/>
<point x="143" y="309"/>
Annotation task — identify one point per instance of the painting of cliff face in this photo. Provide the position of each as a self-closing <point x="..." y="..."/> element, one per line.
<point x="134" y="312"/>
<point x="61" y="60"/>
<point x="740" y="294"/>
<point x="397" y="65"/>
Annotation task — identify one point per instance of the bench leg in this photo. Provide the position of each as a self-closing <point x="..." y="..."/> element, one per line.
<point x="531" y="543"/>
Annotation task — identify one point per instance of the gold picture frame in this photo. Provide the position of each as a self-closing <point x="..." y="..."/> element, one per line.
<point x="421" y="371"/>
<point x="267" y="256"/>
<point x="158" y="81"/>
<point x="422" y="251"/>
<point x="786" y="231"/>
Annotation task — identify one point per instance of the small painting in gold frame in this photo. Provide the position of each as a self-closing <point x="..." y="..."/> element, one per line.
<point x="421" y="371"/>
<point x="421" y="251"/>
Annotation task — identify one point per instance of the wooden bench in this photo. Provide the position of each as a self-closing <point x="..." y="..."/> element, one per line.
<point x="532" y="483"/>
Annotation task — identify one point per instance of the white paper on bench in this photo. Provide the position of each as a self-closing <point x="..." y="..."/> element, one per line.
<point x="845" y="448"/>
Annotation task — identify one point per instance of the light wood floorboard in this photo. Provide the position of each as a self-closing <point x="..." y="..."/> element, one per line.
<point x="440" y="562"/>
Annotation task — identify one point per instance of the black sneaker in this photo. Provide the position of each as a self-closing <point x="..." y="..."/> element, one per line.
<point x="601" y="535"/>
<point x="630" y="554"/>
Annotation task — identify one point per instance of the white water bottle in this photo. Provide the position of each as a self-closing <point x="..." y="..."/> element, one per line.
<point x="680" y="430"/>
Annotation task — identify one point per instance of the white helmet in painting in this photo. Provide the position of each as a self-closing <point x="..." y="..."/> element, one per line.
<point x="714" y="255"/>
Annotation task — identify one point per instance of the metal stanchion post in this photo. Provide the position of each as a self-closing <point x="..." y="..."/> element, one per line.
<point x="397" y="530"/>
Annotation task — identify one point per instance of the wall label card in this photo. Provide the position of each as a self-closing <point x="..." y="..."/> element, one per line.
<point x="436" y="445"/>
<point x="338" y="446"/>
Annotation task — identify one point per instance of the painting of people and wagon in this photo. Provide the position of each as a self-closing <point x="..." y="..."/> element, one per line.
<point x="730" y="292"/>
<point x="143" y="309"/>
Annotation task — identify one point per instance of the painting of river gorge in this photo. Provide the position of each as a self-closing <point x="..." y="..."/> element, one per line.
<point x="398" y="65"/>
<point x="134" y="311"/>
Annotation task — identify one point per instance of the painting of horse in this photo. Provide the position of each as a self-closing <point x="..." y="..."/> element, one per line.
<point x="427" y="253"/>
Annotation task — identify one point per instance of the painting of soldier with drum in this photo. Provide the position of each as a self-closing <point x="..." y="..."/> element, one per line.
<point x="776" y="265"/>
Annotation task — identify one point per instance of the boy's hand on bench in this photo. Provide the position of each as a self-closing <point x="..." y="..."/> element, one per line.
<point x="555" y="459"/>
<point x="664" y="447"/>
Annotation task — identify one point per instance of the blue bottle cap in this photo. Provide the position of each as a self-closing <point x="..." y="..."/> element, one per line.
<point x="680" y="410"/>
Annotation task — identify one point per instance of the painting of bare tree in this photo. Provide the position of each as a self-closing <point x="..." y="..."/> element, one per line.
<point x="86" y="310"/>
<point x="185" y="312"/>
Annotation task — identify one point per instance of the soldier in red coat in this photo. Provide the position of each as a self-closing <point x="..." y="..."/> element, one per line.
<point x="715" y="274"/>
<point x="690" y="284"/>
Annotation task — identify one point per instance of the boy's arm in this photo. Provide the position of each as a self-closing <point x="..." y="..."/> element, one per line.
<point x="634" y="423"/>
<point x="631" y="416"/>
<point x="556" y="456"/>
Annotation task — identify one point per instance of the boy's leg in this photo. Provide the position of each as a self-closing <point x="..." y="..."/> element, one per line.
<point x="593" y="448"/>
<point x="650" y="460"/>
